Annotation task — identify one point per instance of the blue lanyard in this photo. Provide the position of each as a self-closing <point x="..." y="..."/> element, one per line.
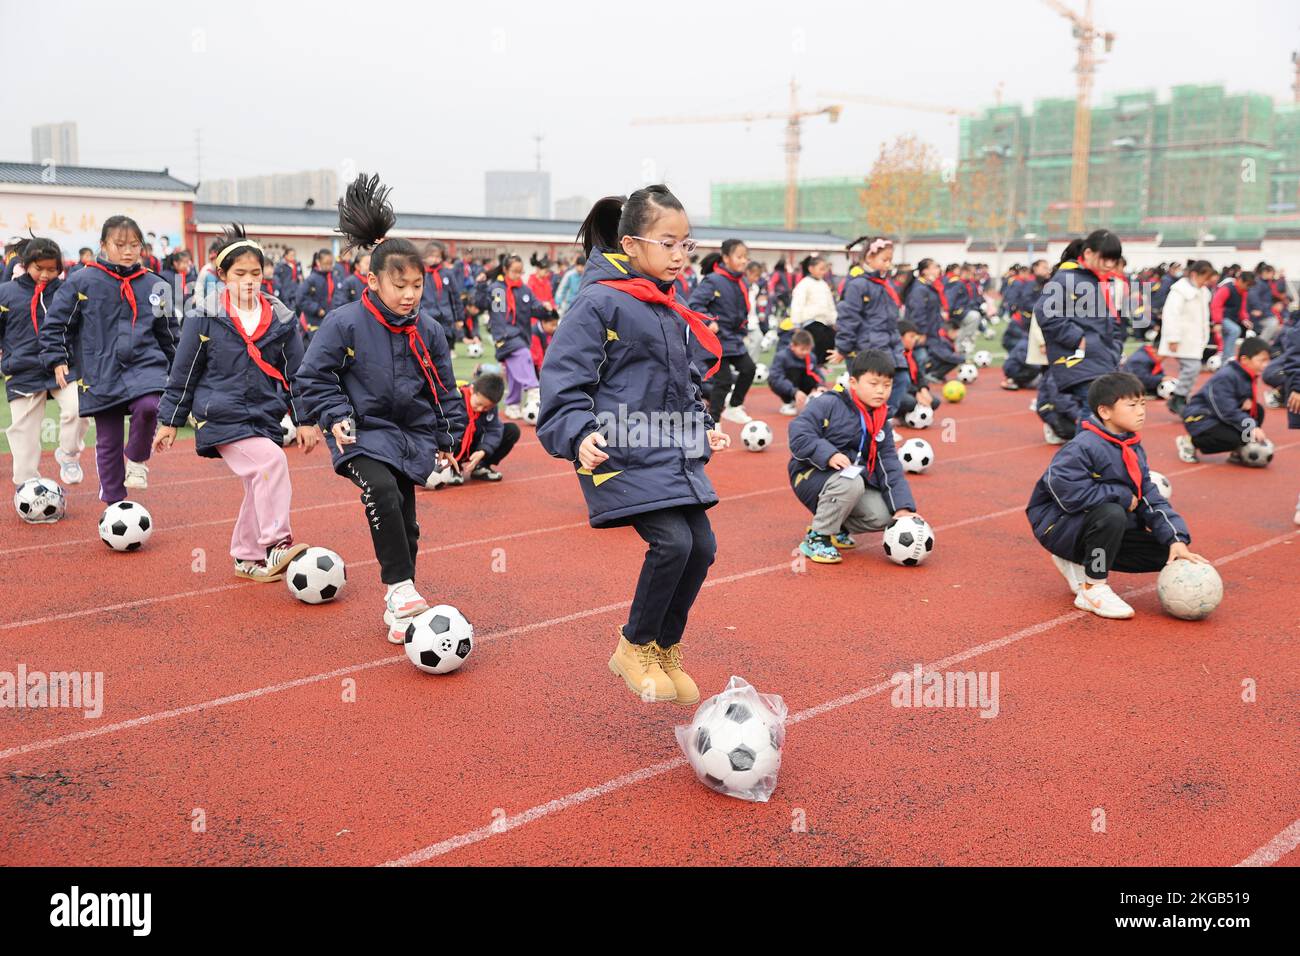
<point x="862" y="442"/>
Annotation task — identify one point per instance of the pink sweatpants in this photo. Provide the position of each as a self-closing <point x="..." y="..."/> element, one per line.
<point x="263" y="520"/>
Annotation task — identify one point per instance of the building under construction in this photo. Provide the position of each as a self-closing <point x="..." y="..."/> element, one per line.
<point x="1203" y="166"/>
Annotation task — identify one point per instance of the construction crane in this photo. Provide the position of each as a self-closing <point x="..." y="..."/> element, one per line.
<point x="793" y="117"/>
<point x="1087" y="34"/>
<point x="901" y="104"/>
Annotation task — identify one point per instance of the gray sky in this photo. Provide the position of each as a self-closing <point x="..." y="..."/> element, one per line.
<point x="431" y="94"/>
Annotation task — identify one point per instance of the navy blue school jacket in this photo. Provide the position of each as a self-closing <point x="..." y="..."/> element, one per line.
<point x="215" y="379"/>
<point x="788" y="368"/>
<point x="1161" y="291"/>
<point x="1291" y="366"/>
<point x="831" y="424"/>
<point x="612" y="356"/>
<point x="512" y="334"/>
<point x="20" y="347"/>
<point x="354" y="367"/>
<point x="1220" y="400"/>
<point x="349" y="290"/>
<point x="1086" y="472"/>
<point x="924" y="309"/>
<point x="867" y="318"/>
<point x="441" y="298"/>
<point x="958" y="297"/>
<point x="315" y="296"/>
<point x="287" y="278"/>
<point x="122" y="356"/>
<point x="483" y="431"/>
<point x="1146" y="364"/>
<point x="1073" y="307"/>
<point x="720" y="296"/>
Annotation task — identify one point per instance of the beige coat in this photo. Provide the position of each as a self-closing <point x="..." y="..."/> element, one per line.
<point x="1185" y="321"/>
<point x="812" y="301"/>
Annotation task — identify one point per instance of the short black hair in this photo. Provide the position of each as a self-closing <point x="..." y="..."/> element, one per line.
<point x="801" y="337"/>
<point x="491" y="386"/>
<point x="875" y="360"/>
<point x="1110" y="388"/>
<point x="1252" y="346"/>
<point x="38" y="249"/>
<point x="905" y="326"/>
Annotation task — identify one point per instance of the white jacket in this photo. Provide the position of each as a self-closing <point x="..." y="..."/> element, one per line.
<point x="812" y="301"/>
<point x="1185" y="321"/>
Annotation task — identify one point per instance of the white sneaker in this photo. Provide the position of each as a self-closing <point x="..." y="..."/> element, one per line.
<point x="737" y="414"/>
<point x="1102" y="601"/>
<point x="1073" y="573"/>
<point x="1186" y="450"/>
<point x="1050" y="436"/>
<point x="137" y="474"/>
<point x="402" y="603"/>
<point x="789" y="408"/>
<point x="513" y="411"/>
<point x="1033" y="404"/>
<point x="69" y="468"/>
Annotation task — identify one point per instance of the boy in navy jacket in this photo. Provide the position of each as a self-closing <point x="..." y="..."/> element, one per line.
<point x="793" y="376"/>
<point x="1146" y="364"/>
<point x="918" y="390"/>
<point x="843" y="465"/>
<point x="487" y="439"/>
<point x="1016" y="371"/>
<point x="1096" y="509"/>
<point x="1227" y="412"/>
<point x="316" y="294"/>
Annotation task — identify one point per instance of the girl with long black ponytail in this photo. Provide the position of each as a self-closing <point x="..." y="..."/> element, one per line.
<point x="378" y="378"/>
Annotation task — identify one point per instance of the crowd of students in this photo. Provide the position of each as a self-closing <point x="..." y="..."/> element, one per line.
<point x="356" y="352"/>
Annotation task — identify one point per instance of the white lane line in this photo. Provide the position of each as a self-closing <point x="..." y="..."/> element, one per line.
<point x="1276" y="848"/>
<point x="579" y="797"/>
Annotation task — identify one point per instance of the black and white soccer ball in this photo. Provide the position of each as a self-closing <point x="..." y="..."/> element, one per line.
<point x="440" y="640"/>
<point x="1214" y="362"/>
<point x="316" y="576"/>
<point x="40" y="501"/>
<point x="756" y="436"/>
<point x="908" y="540"/>
<point x="760" y="373"/>
<point x="967" y="373"/>
<point x="983" y="358"/>
<point x="916" y="455"/>
<point x="1162" y="484"/>
<point x="288" y="431"/>
<point x="531" y="411"/>
<point x="1257" y="454"/>
<point x="125" y="526"/>
<point x="734" y="745"/>
<point x="474" y="349"/>
<point x="1166" y="388"/>
<point x="922" y="416"/>
<point x="770" y="338"/>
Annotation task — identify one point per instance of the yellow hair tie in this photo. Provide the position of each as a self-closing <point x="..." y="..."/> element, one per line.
<point x="225" y="253"/>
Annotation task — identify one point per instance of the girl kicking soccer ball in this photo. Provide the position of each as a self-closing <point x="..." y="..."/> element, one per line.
<point x="378" y="378"/>
<point x="625" y="343"/>
<point x="234" y="372"/>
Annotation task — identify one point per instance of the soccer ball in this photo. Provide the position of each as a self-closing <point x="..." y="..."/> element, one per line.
<point x="983" y="358"/>
<point x="922" y="416"/>
<point x="1151" y="335"/>
<point x="125" y="526"/>
<point x="967" y="373"/>
<point x="439" y="640"/>
<point x="474" y="350"/>
<point x="770" y="338"/>
<point x="40" y="501"/>
<point x="756" y="436"/>
<point x="734" y="745"/>
<point x="916" y="455"/>
<point x="316" y="576"/>
<point x="908" y="540"/>
<point x="760" y="373"/>
<point x="1166" y="388"/>
<point x="531" y="411"/>
<point x="1257" y="454"/>
<point x="1162" y="484"/>
<point x="1188" y="590"/>
<point x="1214" y="362"/>
<point x="1251" y="333"/>
<point x="843" y="382"/>
<point x="290" y="431"/>
<point x="954" y="391"/>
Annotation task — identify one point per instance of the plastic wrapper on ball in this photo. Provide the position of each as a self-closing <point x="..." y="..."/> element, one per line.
<point x="734" y="741"/>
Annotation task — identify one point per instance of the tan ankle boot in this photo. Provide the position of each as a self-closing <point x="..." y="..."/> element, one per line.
<point x="638" y="665"/>
<point x="670" y="661"/>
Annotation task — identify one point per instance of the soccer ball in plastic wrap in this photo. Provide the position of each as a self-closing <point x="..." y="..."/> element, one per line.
<point x="40" y="501"/>
<point x="734" y="741"/>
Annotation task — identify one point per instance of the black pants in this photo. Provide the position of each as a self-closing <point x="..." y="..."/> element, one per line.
<point x="1109" y="544"/>
<point x="802" y="382"/>
<point x="509" y="436"/>
<point x="744" y="377"/>
<point x="1219" y="438"/>
<point x="389" y="497"/>
<point x="682" y="548"/>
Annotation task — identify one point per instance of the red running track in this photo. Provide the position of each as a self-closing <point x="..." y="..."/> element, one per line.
<point x="224" y="700"/>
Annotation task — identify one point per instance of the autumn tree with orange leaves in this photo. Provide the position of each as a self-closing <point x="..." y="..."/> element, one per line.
<point x="898" y="200"/>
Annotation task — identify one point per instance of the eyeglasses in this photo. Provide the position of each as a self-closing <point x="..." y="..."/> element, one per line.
<point x="684" y="246"/>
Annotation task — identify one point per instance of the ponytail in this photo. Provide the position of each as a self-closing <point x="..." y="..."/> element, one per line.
<point x="614" y="217"/>
<point x="365" y="219"/>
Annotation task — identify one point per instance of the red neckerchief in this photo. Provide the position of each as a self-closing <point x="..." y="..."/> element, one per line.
<point x="466" y="443"/>
<point x="911" y="364"/>
<point x="1130" y="456"/>
<point x="1254" y="391"/>
<point x="1151" y="351"/>
<point x="250" y="341"/>
<point x="739" y="280"/>
<point x="511" y="308"/>
<point x="125" y="290"/>
<point x="970" y="288"/>
<point x="943" y="296"/>
<point x="417" y="344"/>
<point x="329" y="288"/>
<point x="874" y="421"/>
<point x="647" y="291"/>
<point x="1104" y="282"/>
<point x="268" y="286"/>
<point x="888" y="288"/>
<point x="437" y="277"/>
<point x="36" y="304"/>
<point x="807" y="364"/>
